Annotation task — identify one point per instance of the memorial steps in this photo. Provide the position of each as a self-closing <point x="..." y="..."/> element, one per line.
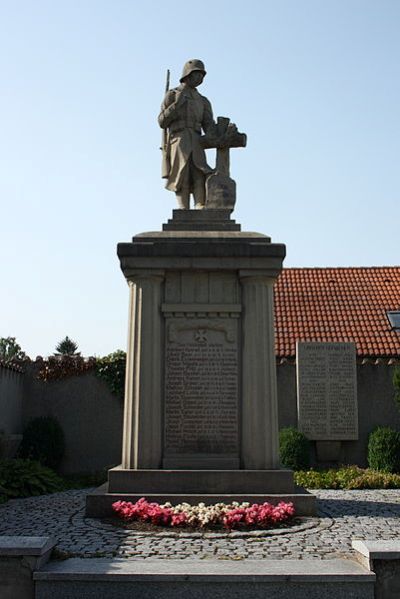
<point x="207" y="579"/>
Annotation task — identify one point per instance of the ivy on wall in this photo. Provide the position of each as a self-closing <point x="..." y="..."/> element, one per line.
<point x="111" y="369"/>
<point x="60" y="367"/>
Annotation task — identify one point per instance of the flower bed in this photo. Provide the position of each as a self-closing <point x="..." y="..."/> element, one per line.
<point x="234" y="515"/>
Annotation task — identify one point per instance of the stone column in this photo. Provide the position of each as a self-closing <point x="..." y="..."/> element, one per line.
<point x="143" y="412"/>
<point x="260" y="443"/>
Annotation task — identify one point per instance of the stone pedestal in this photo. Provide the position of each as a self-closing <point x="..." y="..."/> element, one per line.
<point x="260" y="443"/>
<point x="201" y="413"/>
<point x="143" y="390"/>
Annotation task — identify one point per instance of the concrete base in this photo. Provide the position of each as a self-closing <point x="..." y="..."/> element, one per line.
<point x="163" y="579"/>
<point x="383" y="558"/>
<point x="201" y="220"/>
<point x="19" y="557"/>
<point x="197" y="286"/>
<point x="195" y="486"/>
<point x="199" y="462"/>
<point x="99" y="503"/>
<point x="214" y="482"/>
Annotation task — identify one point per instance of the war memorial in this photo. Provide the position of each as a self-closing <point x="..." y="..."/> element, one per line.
<point x="201" y="413"/>
<point x="201" y="418"/>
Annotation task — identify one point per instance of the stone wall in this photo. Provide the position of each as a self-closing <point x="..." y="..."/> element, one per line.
<point x="376" y="406"/>
<point x="11" y="391"/>
<point x="11" y="395"/>
<point x="89" y="414"/>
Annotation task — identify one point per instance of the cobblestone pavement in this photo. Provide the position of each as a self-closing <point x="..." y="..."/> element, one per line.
<point x="343" y="516"/>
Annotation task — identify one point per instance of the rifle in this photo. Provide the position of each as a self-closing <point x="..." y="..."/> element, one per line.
<point x="165" y="167"/>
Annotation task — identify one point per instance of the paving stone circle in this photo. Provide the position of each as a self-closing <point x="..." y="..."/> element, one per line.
<point x="343" y="516"/>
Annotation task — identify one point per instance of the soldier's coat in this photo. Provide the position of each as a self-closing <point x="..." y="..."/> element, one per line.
<point x="185" y="124"/>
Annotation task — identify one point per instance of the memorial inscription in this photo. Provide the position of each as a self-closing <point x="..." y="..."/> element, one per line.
<point x="201" y="386"/>
<point x="327" y="391"/>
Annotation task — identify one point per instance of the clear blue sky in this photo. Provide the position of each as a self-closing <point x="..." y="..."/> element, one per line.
<point x="314" y="84"/>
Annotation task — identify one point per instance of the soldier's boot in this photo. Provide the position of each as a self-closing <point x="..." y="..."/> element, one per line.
<point x="199" y="192"/>
<point x="182" y="198"/>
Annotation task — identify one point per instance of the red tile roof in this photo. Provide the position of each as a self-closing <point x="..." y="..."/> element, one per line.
<point x="338" y="304"/>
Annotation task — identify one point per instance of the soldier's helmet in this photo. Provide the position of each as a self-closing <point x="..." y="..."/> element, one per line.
<point x="192" y="65"/>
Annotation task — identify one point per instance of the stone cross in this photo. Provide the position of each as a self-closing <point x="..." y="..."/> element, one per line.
<point x="220" y="188"/>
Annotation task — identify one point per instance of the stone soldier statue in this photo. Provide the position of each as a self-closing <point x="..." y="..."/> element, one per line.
<point x="185" y="114"/>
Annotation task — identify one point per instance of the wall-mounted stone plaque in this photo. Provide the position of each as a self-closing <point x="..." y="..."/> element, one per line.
<point x="201" y="386"/>
<point x="327" y="391"/>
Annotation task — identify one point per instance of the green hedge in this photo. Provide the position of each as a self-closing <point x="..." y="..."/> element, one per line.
<point x="294" y="449"/>
<point x="384" y="449"/>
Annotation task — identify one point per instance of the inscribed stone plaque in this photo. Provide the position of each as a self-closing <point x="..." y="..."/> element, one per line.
<point x="201" y="386"/>
<point x="327" y="391"/>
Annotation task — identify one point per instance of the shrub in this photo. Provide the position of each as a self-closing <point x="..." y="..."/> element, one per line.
<point x="384" y="449"/>
<point x="24" y="478"/>
<point x="323" y="479"/>
<point x="372" y="479"/>
<point x="111" y="369"/>
<point x="334" y="478"/>
<point x="294" y="448"/>
<point x="347" y="477"/>
<point x="43" y="440"/>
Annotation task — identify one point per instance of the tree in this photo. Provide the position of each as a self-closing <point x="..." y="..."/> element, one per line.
<point x="67" y="347"/>
<point x="10" y="350"/>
